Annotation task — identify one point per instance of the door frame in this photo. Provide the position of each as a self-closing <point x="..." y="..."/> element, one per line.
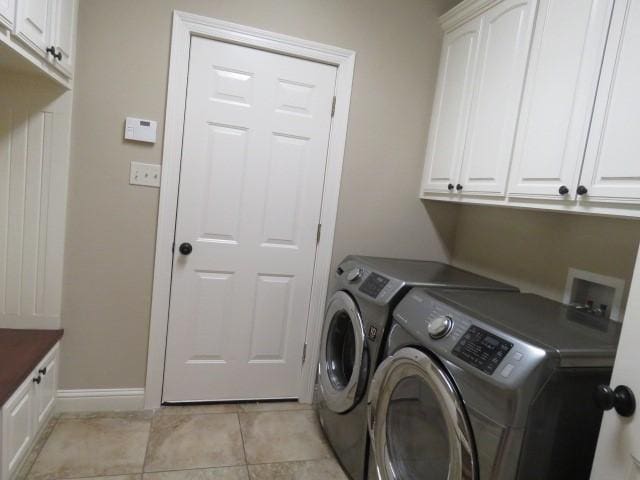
<point x="186" y="25"/>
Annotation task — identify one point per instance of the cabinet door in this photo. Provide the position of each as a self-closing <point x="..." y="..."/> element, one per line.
<point x="17" y="428"/>
<point x="445" y="145"/>
<point x="565" y="61"/>
<point x="64" y="22"/>
<point x="33" y="23"/>
<point x="504" y="47"/>
<point x="45" y="391"/>
<point x="7" y="12"/>
<point x="611" y="170"/>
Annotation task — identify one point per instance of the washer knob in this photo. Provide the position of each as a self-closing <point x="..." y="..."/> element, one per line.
<point x="439" y="327"/>
<point x="354" y="274"/>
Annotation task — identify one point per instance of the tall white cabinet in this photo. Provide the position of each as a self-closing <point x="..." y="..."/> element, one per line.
<point x="550" y="119"/>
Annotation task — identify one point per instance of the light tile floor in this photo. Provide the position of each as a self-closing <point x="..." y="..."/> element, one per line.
<point x="250" y="441"/>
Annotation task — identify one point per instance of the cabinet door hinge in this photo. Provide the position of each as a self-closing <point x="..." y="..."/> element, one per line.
<point x="304" y="352"/>
<point x="318" y="233"/>
<point x="333" y="107"/>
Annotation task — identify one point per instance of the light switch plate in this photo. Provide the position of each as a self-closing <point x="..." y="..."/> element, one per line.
<point x="145" y="174"/>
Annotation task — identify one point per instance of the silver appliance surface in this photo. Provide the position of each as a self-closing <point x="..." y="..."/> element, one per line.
<point x="366" y="291"/>
<point x="525" y="369"/>
<point x="426" y="273"/>
<point x="540" y="321"/>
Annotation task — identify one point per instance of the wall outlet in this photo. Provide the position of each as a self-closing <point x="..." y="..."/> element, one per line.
<point x="145" y="174"/>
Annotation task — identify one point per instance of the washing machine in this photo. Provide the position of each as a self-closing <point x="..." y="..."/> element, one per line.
<point x="488" y="386"/>
<point x="358" y="312"/>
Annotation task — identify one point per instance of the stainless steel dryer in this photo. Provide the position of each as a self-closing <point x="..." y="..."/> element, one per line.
<point x="358" y="312"/>
<point x="488" y="386"/>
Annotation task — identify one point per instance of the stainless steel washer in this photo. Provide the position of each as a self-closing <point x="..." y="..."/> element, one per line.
<point x="488" y="386"/>
<point x="358" y="312"/>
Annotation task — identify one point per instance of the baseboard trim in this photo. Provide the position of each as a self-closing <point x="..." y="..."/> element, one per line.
<point x="96" y="400"/>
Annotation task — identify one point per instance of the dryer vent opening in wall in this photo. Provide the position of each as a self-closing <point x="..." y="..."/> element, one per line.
<point x="595" y="293"/>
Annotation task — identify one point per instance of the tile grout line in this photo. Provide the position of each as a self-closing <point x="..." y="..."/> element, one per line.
<point x="146" y="449"/>
<point x="244" y="448"/>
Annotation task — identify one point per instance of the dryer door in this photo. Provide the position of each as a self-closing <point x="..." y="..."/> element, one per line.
<point x="417" y="422"/>
<point x="344" y="363"/>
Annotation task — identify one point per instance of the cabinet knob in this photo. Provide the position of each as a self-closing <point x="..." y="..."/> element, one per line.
<point x="458" y="187"/>
<point x="450" y="187"/>
<point x="52" y="51"/>
<point x="563" y="190"/>
<point x="582" y="190"/>
<point x="621" y="398"/>
<point x="43" y="371"/>
<point x="37" y="379"/>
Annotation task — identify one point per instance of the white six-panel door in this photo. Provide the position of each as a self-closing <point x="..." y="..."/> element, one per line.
<point x="562" y="78"/>
<point x="445" y="145"/>
<point x="611" y="168"/>
<point x="502" y="58"/>
<point x="253" y="161"/>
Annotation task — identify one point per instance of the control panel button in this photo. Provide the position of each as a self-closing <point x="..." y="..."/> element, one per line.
<point x="354" y="274"/>
<point x="517" y="356"/>
<point x="439" y="327"/>
<point x="506" y="371"/>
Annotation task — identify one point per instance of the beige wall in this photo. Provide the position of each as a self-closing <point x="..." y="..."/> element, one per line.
<point x="534" y="250"/>
<point x="121" y="70"/>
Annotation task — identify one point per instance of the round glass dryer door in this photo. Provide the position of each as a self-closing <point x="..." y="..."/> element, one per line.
<point x="418" y="426"/>
<point x="343" y="356"/>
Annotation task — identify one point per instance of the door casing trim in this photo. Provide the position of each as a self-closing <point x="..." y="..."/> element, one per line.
<point x="186" y="25"/>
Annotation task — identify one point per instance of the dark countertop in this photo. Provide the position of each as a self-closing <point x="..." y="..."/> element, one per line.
<point x="20" y="352"/>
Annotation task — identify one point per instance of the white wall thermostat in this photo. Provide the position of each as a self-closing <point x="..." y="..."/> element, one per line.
<point x="140" y="130"/>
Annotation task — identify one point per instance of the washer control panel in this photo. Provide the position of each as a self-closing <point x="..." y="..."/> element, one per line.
<point x="486" y="348"/>
<point x="373" y="284"/>
<point x="482" y="349"/>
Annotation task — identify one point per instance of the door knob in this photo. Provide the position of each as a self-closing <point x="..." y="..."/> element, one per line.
<point x="621" y="398"/>
<point x="563" y="190"/>
<point x="185" y="248"/>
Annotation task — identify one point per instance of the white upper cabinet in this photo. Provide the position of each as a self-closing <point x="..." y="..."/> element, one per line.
<point x="544" y="112"/>
<point x="504" y="44"/>
<point x="561" y="82"/>
<point x="42" y="33"/>
<point x="445" y="146"/>
<point x="33" y="23"/>
<point x="64" y="20"/>
<point x="611" y="169"/>
<point x="7" y="13"/>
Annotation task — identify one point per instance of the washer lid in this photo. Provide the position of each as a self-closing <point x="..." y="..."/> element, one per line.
<point x="429" y="274"/>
